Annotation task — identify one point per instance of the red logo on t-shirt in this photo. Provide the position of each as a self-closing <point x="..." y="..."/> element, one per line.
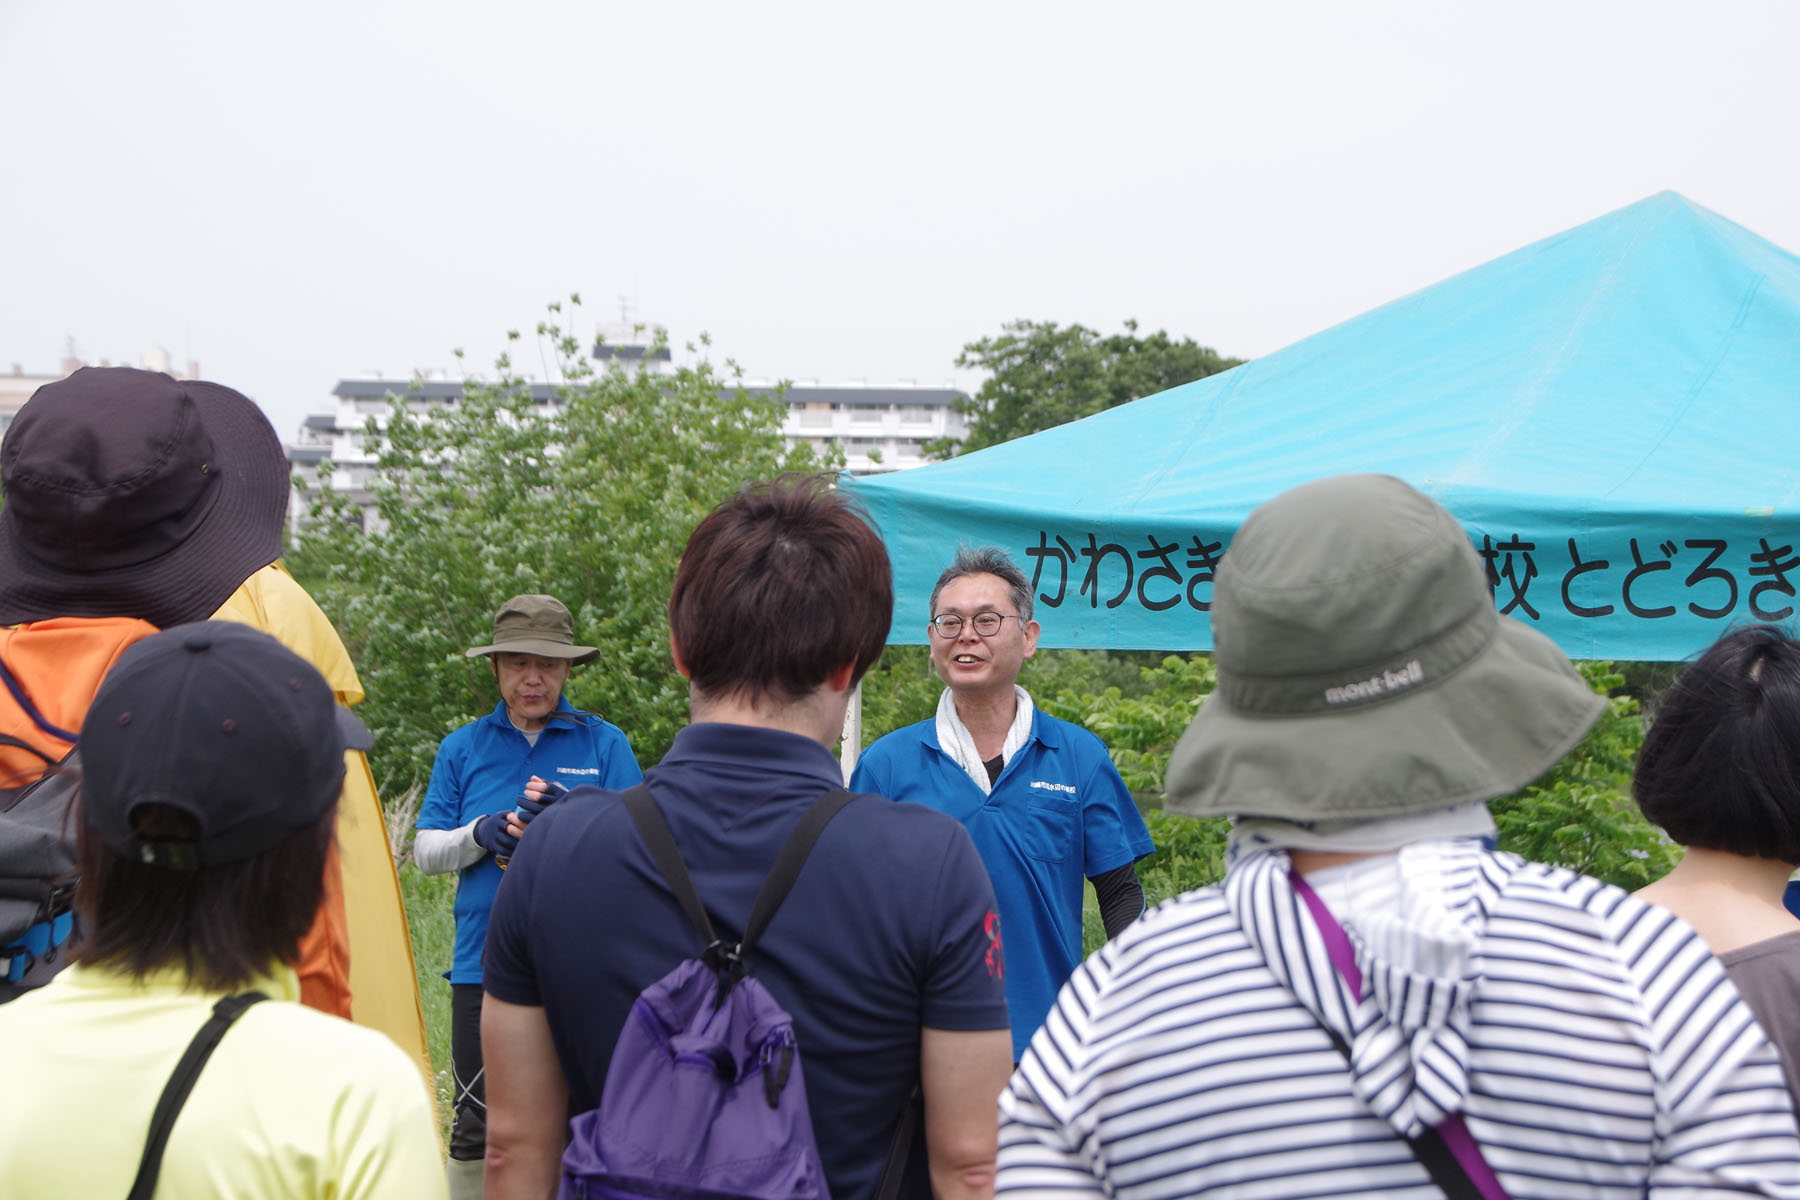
<point x="996" y="958"/>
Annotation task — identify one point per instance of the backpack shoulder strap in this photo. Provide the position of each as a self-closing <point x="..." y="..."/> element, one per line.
<point x="655" y="831"/>
<point x="787" y="865"/>
<point x="181" y="1082"/>
<point x="30" y="710"/>
<point x="7" y="739"/>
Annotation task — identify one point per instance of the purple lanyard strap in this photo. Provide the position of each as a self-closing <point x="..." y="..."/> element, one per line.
<point x="1452" y="1129"/>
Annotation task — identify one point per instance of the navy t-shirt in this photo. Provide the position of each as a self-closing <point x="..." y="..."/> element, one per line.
<point x="889" y="927"/>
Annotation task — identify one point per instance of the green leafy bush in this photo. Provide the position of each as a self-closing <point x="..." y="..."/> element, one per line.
<point x="1141" y="727"/>
<point x="1579" y="814"/>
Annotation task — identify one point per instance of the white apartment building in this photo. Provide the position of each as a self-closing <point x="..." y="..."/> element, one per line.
<point x="16" y="387"/>
<point x="336" y="437"/>
<point x="878" y="427"/>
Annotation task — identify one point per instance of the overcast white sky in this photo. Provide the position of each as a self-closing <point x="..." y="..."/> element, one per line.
<point x="294" y="194"/>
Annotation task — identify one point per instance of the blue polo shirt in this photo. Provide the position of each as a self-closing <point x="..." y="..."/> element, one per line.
<point x="482" y="767"/>
<point x="1058" y="813"/>
<point x="889" y="927"/>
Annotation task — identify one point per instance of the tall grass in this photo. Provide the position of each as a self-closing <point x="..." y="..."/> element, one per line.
<point x="428" y="900"/>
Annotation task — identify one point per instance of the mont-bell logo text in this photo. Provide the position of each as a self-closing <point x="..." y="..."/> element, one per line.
<point x="1411" y="675"/>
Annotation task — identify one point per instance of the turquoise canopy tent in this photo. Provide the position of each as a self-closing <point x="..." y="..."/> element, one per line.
<point x="1613" y="414"/>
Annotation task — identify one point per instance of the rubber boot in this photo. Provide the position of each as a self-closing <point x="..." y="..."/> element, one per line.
<point x="465" y="1175"/>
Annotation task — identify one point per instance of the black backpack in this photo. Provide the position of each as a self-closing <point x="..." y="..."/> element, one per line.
<point x="46" y="667"/>
<point x="37" y="873"/>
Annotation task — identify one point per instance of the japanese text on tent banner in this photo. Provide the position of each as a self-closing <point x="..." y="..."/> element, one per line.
<point x="1584" y="577"/>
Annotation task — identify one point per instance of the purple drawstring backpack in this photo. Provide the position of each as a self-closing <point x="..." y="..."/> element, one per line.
<point x="704" y="1097"/>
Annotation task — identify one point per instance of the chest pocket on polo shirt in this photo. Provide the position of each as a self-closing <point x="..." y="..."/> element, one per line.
<point x="1051" y="824"/>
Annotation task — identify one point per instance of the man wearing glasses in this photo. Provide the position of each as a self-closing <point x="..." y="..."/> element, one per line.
<point x="1040" y="797"/>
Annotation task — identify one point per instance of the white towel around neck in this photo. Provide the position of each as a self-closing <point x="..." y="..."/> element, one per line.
<point x="956" y="740"/>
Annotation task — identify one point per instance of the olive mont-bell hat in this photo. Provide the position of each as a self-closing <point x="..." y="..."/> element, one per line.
<point x="1363" y="671"/>
<point x="535" y="625"/>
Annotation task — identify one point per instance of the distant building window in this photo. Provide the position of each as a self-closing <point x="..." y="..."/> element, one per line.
<point x="867" y="414"/>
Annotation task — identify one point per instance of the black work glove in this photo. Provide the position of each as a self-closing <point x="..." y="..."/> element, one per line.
<point x="527" y="808"/>
<point x="491" y="835"/>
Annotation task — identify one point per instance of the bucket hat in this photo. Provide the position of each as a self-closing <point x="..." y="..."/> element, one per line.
<point x="1363" y="671"/>
<point x="535" y="625"/>
<point x="132" y="494"/>
<point x="224" y="723"/>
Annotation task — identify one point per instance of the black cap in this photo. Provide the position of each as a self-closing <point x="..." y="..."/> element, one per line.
<point x="221" y="722"/>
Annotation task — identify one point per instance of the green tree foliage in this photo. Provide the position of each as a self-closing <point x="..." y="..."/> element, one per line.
<point x="590" y="502"/>
<point x="1579" y="814"/>
<point x="1140" y="727"/>
<point x="1042" y="375"/>
<point x="899" y="689"/>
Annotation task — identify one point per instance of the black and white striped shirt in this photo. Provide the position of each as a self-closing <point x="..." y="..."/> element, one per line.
<point x="1591" y="1041"/>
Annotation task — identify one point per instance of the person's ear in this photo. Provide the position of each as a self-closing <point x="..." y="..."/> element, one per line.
<point x="675" y="653"/>
<point x="839" y="680"/>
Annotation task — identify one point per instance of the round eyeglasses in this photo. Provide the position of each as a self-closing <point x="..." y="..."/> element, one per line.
<point x="987" y="624"/>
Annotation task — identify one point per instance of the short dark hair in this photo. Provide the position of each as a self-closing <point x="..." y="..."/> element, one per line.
<point x="224" y="925"/>
<point x="1720" y="767"/>
<point x="986" y="560"/>
<point x="779" y="586"/>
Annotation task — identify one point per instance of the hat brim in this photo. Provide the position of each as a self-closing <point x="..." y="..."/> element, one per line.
<point x="350" y="727"/>
<point x="575" y="654"/>
<point x="240" y="535"/>
<point x="1491" y="727"/>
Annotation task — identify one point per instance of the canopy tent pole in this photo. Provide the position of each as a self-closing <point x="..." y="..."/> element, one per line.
<point x="852" y="744"/>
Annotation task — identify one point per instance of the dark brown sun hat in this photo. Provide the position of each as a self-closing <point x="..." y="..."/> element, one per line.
<point x="132" y="494"/>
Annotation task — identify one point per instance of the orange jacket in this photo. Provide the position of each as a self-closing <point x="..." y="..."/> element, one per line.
<point x="58" y="664"/>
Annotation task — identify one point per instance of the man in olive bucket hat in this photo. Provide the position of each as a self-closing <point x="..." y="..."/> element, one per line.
<point x="1375" y="1000"/>
<point x="474" y="815"/>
